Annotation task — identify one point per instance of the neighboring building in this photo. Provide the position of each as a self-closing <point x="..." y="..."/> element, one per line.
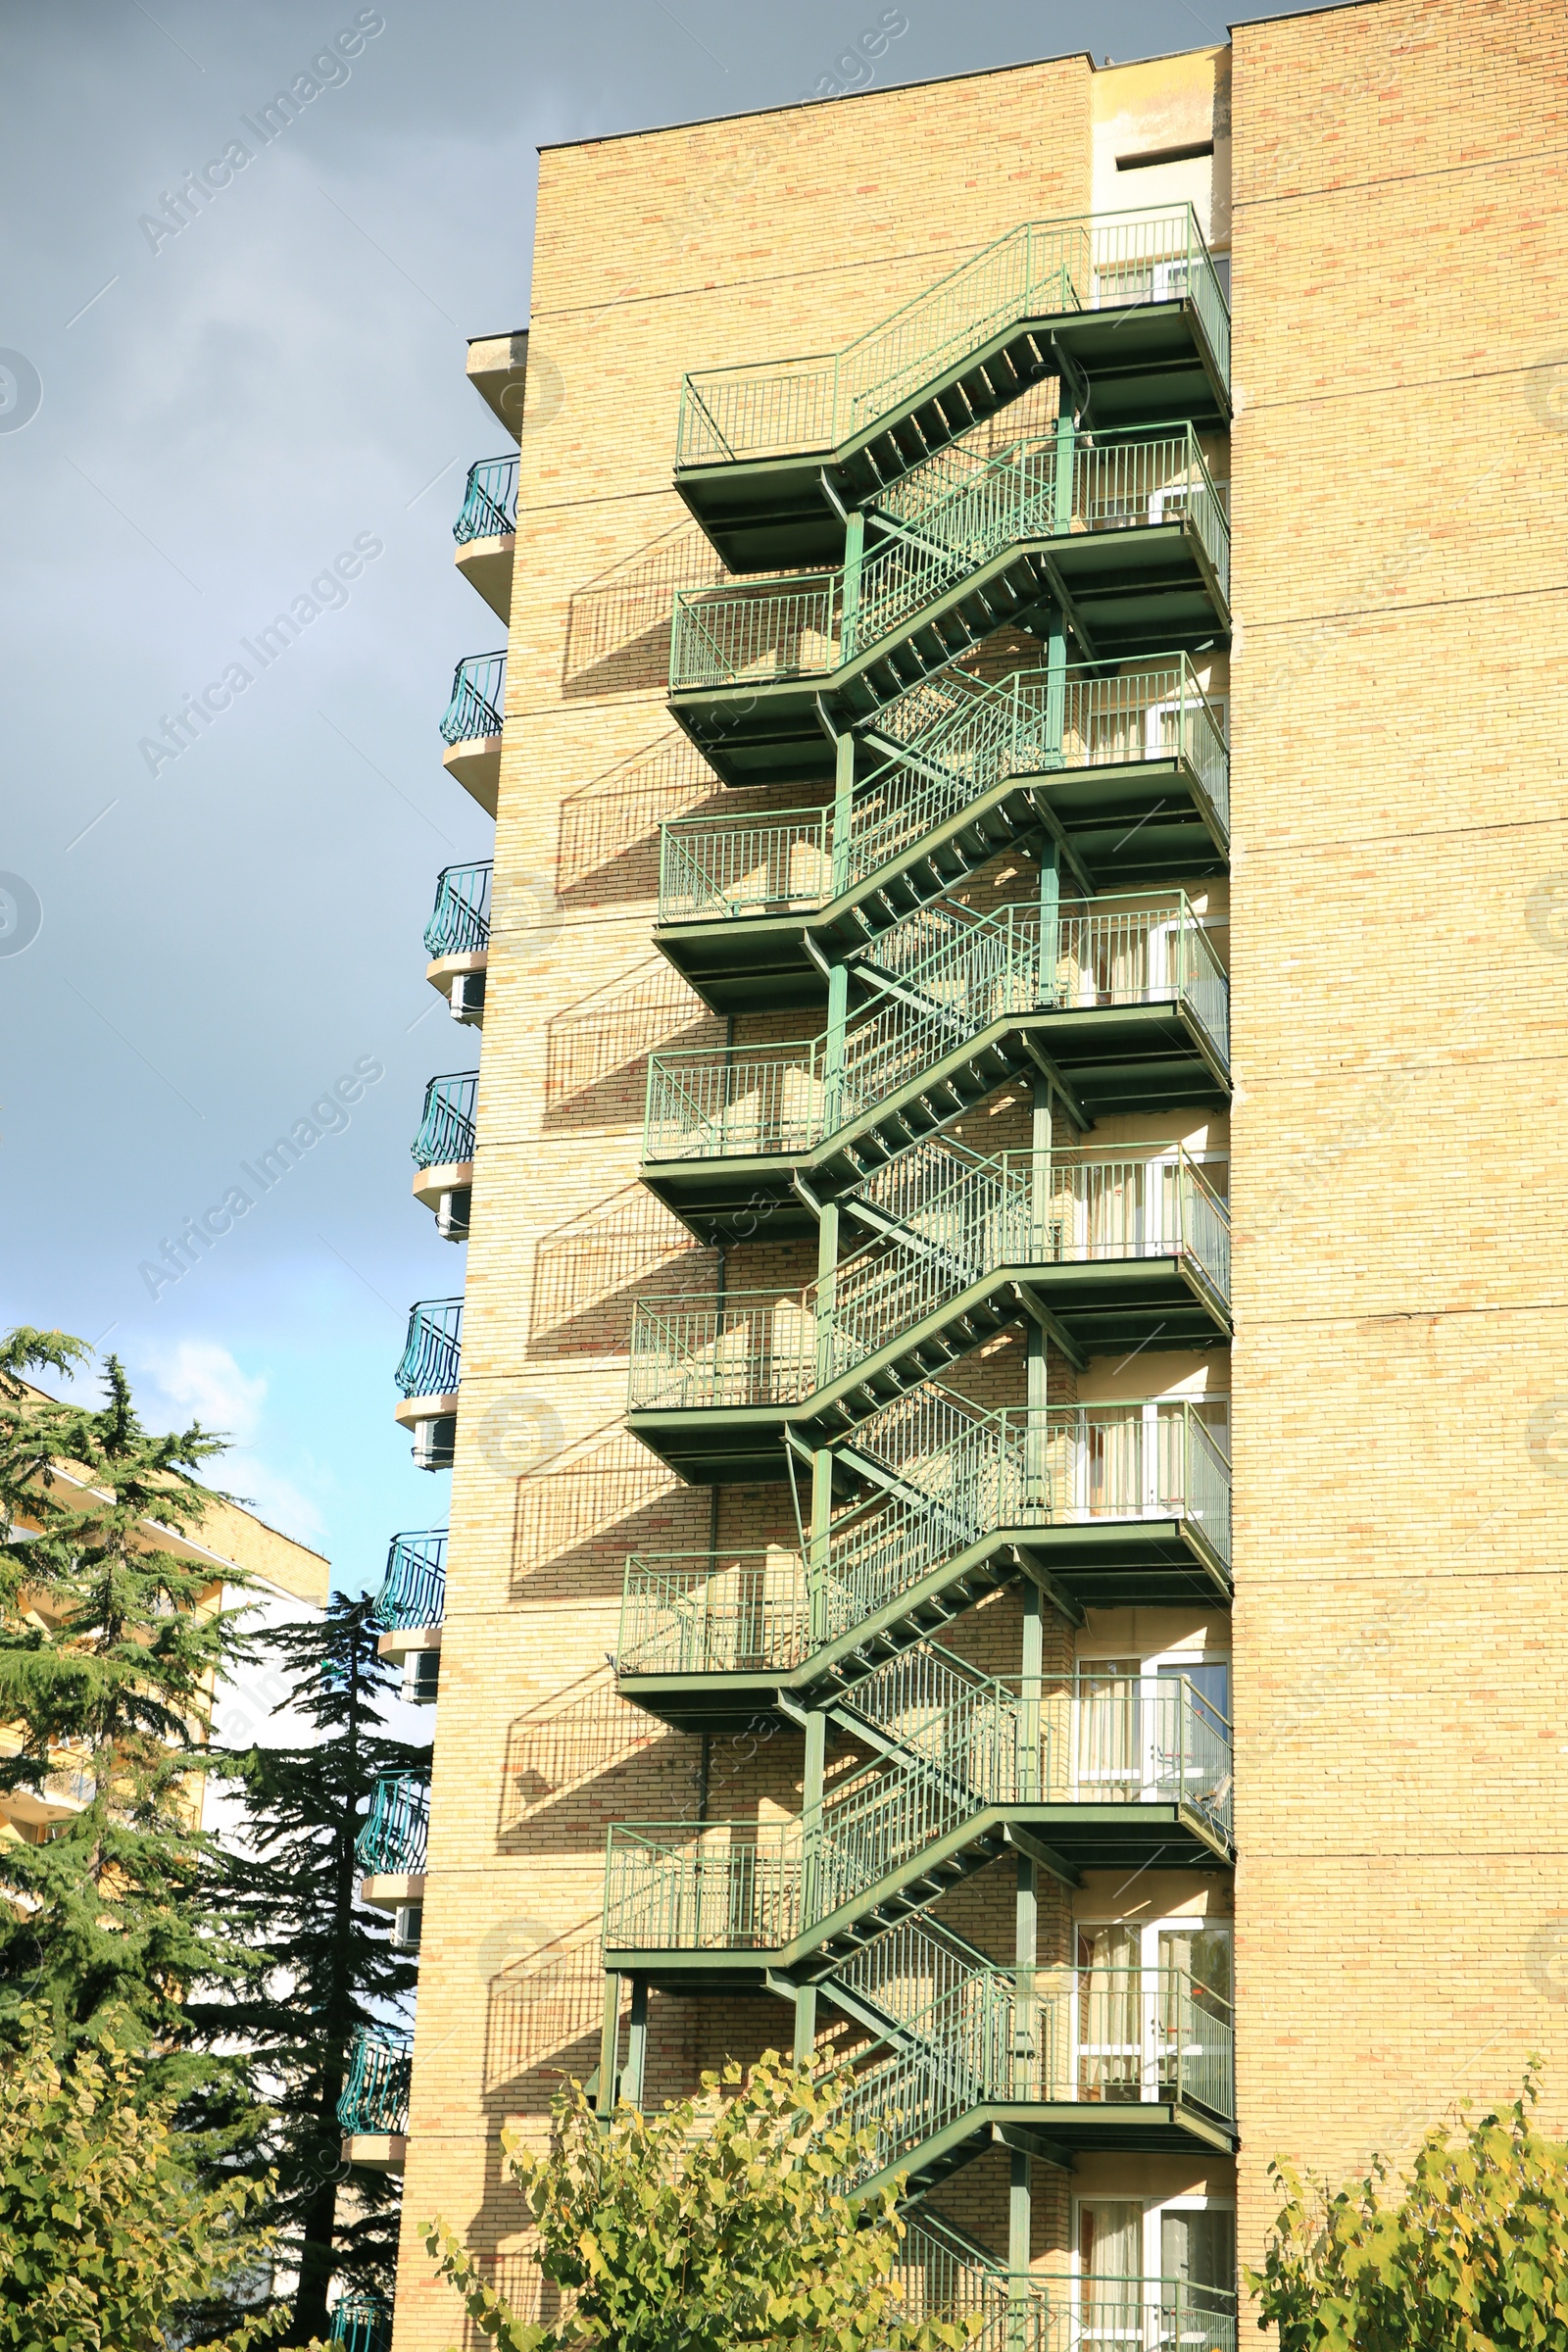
<point x="1139" y="1794"/>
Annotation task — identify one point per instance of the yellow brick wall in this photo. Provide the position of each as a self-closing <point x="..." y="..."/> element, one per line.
<point x="1400" y="240"/>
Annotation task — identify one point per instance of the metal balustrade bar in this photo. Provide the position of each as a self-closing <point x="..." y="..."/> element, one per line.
<point x="447" y="1134"/>
<point x="1098" y="262"/>
<point x="361" y="2322"/>
<point x="397" y="1825"/>
<point x="713" y="868"/>
<point x="432" y="1353"/>
<point x="375" y="2095"/>
<point x="958" y="974"/>
<point x="460" y="924"/>
<point x="489" y="506"/>
<point x="809" y="625"/>
<point x="414" y="1588"/>
<point x="479" y="697"/>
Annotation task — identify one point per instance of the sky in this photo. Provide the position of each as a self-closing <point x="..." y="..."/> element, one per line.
<point x="194" y="427"/>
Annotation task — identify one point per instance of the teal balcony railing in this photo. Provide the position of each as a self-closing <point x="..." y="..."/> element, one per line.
<point x="1091" y="1465"/>
<point x="413" y="1589"/>
<point x="945" y="2277"/>
<point x="956" y="973"/>
<point x="361" y="2322"/>
<point x="446" y="1136"/>
<point x="964" y="741"/>
<point x="460" y="924"/>
<point x="1105" y="261"/>
<point x="375" y="2096"/>
<point x="489" y="506"/>
<point x="432" y="1353"/>
<point x="479" y="697"/>
<point x="397" y="1825"/>
<point x="963" y="1219"/>
<point x="956" y="512"/>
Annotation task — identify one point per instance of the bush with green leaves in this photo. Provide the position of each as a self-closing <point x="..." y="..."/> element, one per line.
<point x="1468" y="2254"/>
<point x="713" y="2226"/>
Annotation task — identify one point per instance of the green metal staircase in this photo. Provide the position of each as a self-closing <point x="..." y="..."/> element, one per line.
<point x="1103" y="534"/>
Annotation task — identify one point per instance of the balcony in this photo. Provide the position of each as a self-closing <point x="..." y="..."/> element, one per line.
<point x="409" y="1610"/>
<point x="427" y="1377"/>
<point x="361" y="2322"/>
<point x="1125" y="305"/>
<point x="471" y="723"/>
<point x="443" y="1151"/>
<point x="1127" y="775"/>
<point x="66" y="1790"/>
<point x="1121" y="1003"/>
<point x="374" y="2109"/>
<point x="1100" y="1505"/>
<point x="946" y="2277"/>
<point x="457" y="940"/>
<point x="391" y="1846"/>
<point x="486" y="530"/>
<point x="1104" y="1253"/>
<point x="1126" y="534"/>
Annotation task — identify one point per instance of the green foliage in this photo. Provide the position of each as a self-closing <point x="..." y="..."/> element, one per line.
<point x="109" y="1651"/>
<point x="711" y="2226"/>
<point x="107" y="2234"/>
<point x="1471" y="2255"/>
<point x="320" y="1964"/>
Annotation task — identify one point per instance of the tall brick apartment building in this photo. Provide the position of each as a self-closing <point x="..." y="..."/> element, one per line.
<point x="1006" y="1502"/>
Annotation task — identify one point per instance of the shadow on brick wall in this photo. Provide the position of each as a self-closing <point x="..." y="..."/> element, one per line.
<point x="588" y="1271"/>
<point x="610" y="825"/>
<point x="596" y="1050"/>
<point x="618" y="625"/>
<point x="585" y="1758"/>
<point x="604" y="1495"/>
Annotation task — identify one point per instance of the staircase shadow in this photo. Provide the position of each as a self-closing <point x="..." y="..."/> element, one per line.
<point x="617" y="624"/>
<point x="583" y="1758"/>
<point x="595" y="1052"/>
<point x="588" y="1271"/>
<point x="610" y="826"/>
<point x="574" y="1525"/>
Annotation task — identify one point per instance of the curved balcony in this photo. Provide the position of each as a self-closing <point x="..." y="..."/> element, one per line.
<point x="1124" y="307"/>
<point x="1127" y="775"/>
<point x="427" y="1378"/>
<point x="1120" y="1005"/>
<point x="373" y="2107"/>
<point x="486" y="530"/>
<point x="456" y="938"/>
<point x="410" y="1606"/>
<point x="391" y="1846"/>
<point x="443" y="1151"/>
<point x="1099" y="1505"/>
<point x="361" y="2322"/>
<point x="1125" y="534"/>
<point x="471" y="723"/>
<point x="1104" y="1255"/>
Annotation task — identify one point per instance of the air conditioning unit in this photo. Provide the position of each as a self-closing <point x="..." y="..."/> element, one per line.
<point x="435" y="1441"/>
<point x="422" y="1677"/>
<point x="452" y="1214"/>
<point x="468" y="999"/>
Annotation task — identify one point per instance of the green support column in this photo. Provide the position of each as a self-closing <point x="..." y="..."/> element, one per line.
<point x="854" y="557"/>
<point x="810" y="1840"/>
<point x="838" y="1013"/>
<point x="609" y="2049"/>
<point x="636" y="2043"/>
<point x="843" y="808"/>
<point x="1066" y="448"/>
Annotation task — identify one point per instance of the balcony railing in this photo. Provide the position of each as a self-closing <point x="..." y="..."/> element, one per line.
<point x="714" y="867"/>
<point x="446" y="1136"/>
<point x="960" y="512"/>
<point x="397" y="1825"/>
<point x="375" y="2096"/>
<point x="413" y="1589"/>
<point x="361" y="2322"/>
<point x="460" y="924"/>
<point x="489" y="506"/>
<point x="1058" y="1466"/>
<point x="479" y="697"/>
<point x="958" y="974"/>
<point x="943" y="2277"/>
<point x="1100" y="262"/>
<point x="431" y="1358"/>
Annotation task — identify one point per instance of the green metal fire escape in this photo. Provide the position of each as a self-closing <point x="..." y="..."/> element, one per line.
<point x="1103" y="534"/>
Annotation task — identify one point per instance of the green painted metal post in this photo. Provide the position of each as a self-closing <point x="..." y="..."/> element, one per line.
<point x="1020" y="2240"/>
<point x="817" y="1541"/>
<point x="636" y="2043"/>
<point x="853" y="558"/>
<point x="1066" y="451"/>
<point x="843" y="812"/>
<point x="609" y="2049"/>
<point x="810" y="1831"/>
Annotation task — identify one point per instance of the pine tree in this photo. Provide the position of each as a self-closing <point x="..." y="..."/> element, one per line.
<point x="109" y="1651"/>
<point x="322" y="1964"/>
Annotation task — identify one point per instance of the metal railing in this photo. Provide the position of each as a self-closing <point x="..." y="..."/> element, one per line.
<point x="397" y="1825"/>
<point x="414" y="1588"/>
<point x="970" y="1219"/>
<point x="479" y="697"/>
<point x="489" y="509"/>
<point x="432" y="1353"/>
<point x="460" y="924"/>
<point x="945" y="2277"/>
<point x="361" y="2322"/>
<point x="809" y="624"/>
<point x="1041" y="269"/>
<point x="446" y="1136"/>
<point x="970" y="742"/>
<point x="945" y="974"/>
<point x="375" y="2096"/>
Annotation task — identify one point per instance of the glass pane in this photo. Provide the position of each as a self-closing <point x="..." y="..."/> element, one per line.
<point x="1111" y="2037"/>
<point x="1110" y="2239"/>
<point x="1211" y="1679"/>
<point x="1203" y="1952"/>
<point x="1199" y="2249"/>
